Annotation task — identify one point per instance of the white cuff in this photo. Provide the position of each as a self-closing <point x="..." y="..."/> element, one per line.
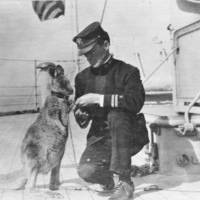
<point x="101" y="100"/>
<point x="114" y="100"/>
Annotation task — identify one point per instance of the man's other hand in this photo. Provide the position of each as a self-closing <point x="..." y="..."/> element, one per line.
<point x="82" y="117"/>
<point x="87" y="99"/>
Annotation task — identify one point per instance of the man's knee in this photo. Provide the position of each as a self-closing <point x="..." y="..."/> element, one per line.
<point x="86" y="172"/>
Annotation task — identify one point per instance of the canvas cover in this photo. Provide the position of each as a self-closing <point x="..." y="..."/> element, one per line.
<point x="187" y="67"/>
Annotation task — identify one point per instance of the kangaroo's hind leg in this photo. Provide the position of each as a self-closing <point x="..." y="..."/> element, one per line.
<point x="55" y="181"/>
<point x="55" y="176"/>
<point x="32" y="191"/>
<point x="30" y="186"/>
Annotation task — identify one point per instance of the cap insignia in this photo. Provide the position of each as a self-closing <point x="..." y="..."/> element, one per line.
<point x="79" y="41"/>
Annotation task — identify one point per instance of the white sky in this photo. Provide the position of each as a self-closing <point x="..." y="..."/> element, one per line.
<point x="23" y="36"/>
<point x="134" y="26"/>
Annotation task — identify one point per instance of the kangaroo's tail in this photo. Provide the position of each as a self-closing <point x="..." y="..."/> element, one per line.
<point x="14" y="181"/>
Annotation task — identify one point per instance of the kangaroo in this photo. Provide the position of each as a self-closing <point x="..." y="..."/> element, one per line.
<point x="43" y="145"/>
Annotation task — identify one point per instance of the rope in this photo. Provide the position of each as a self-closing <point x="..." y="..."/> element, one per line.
<point x="160" y="65"/>
<point x="143" y="170"/>
<point x="73" y="147"/>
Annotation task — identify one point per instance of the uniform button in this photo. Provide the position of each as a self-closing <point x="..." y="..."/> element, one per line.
<point x="88" y="160"/>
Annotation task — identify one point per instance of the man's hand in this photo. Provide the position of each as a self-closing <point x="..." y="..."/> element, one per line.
<point x="81" y="114"/>
<point x="86" y="100"/>
<point x="82" y="117"/>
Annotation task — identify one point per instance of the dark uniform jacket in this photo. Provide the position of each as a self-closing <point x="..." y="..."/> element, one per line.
<point x="122" y="88"/>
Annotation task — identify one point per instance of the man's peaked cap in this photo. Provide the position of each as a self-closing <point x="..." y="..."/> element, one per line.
<point x="89" y="36"/>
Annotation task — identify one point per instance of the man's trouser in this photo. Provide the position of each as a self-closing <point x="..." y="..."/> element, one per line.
<point x="111" y="153"/>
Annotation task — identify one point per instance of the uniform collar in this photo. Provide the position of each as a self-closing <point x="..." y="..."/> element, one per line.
<point x="103" y="69"/>
<point x="107" y="59"/>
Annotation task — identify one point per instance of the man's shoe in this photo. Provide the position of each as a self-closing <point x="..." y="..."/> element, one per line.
<point x="123" y="191"/>
<point x="103" y="188"/>
<point x="108" y="187"/>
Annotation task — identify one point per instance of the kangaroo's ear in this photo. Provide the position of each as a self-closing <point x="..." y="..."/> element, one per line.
<point x="48" y="67"/>
<point x="52" y="71"/>
<point x="59" y="69"/>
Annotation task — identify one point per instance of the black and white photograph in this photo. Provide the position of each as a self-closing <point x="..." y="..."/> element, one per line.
<point x="99" y="99"/>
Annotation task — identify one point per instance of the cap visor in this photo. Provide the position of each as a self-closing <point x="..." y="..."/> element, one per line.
<point x="86" y="49"/>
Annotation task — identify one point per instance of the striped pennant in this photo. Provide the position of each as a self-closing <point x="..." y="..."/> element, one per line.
<point x="47" y="10"/>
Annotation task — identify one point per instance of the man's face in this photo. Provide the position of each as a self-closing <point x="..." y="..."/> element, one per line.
<point x="97" y="55"/>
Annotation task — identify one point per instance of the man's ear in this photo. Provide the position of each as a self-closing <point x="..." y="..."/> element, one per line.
<point x="106" y="45"/>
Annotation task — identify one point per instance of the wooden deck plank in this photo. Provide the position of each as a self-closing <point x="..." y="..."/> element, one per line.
<point x="187" y="189"/>
<point x="18" y="127"/>
<point x="174" y="186"/>
<point x="79" y="195"/>
<point x="7" y="136"/>
<point x="71" y="183"/>
<point x="27" y="197"/>
<point x="1" y="193"/>
<point x="171" y="191"/>
<point x="8" y="158"/>
<point x="197" y="185"/>
<point x="13" y="195"/>
<point x="15" y="164"/>
<point x="140" y="185"/>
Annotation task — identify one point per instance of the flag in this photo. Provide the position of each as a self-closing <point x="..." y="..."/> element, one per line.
<point x="192" y="6"/>
<point x="46" y="10"/>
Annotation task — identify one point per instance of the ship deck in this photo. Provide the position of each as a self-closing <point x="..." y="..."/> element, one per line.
<point x="13" y="128"/>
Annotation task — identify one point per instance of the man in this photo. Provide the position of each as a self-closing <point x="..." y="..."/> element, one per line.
<point x="110" y="94"/>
